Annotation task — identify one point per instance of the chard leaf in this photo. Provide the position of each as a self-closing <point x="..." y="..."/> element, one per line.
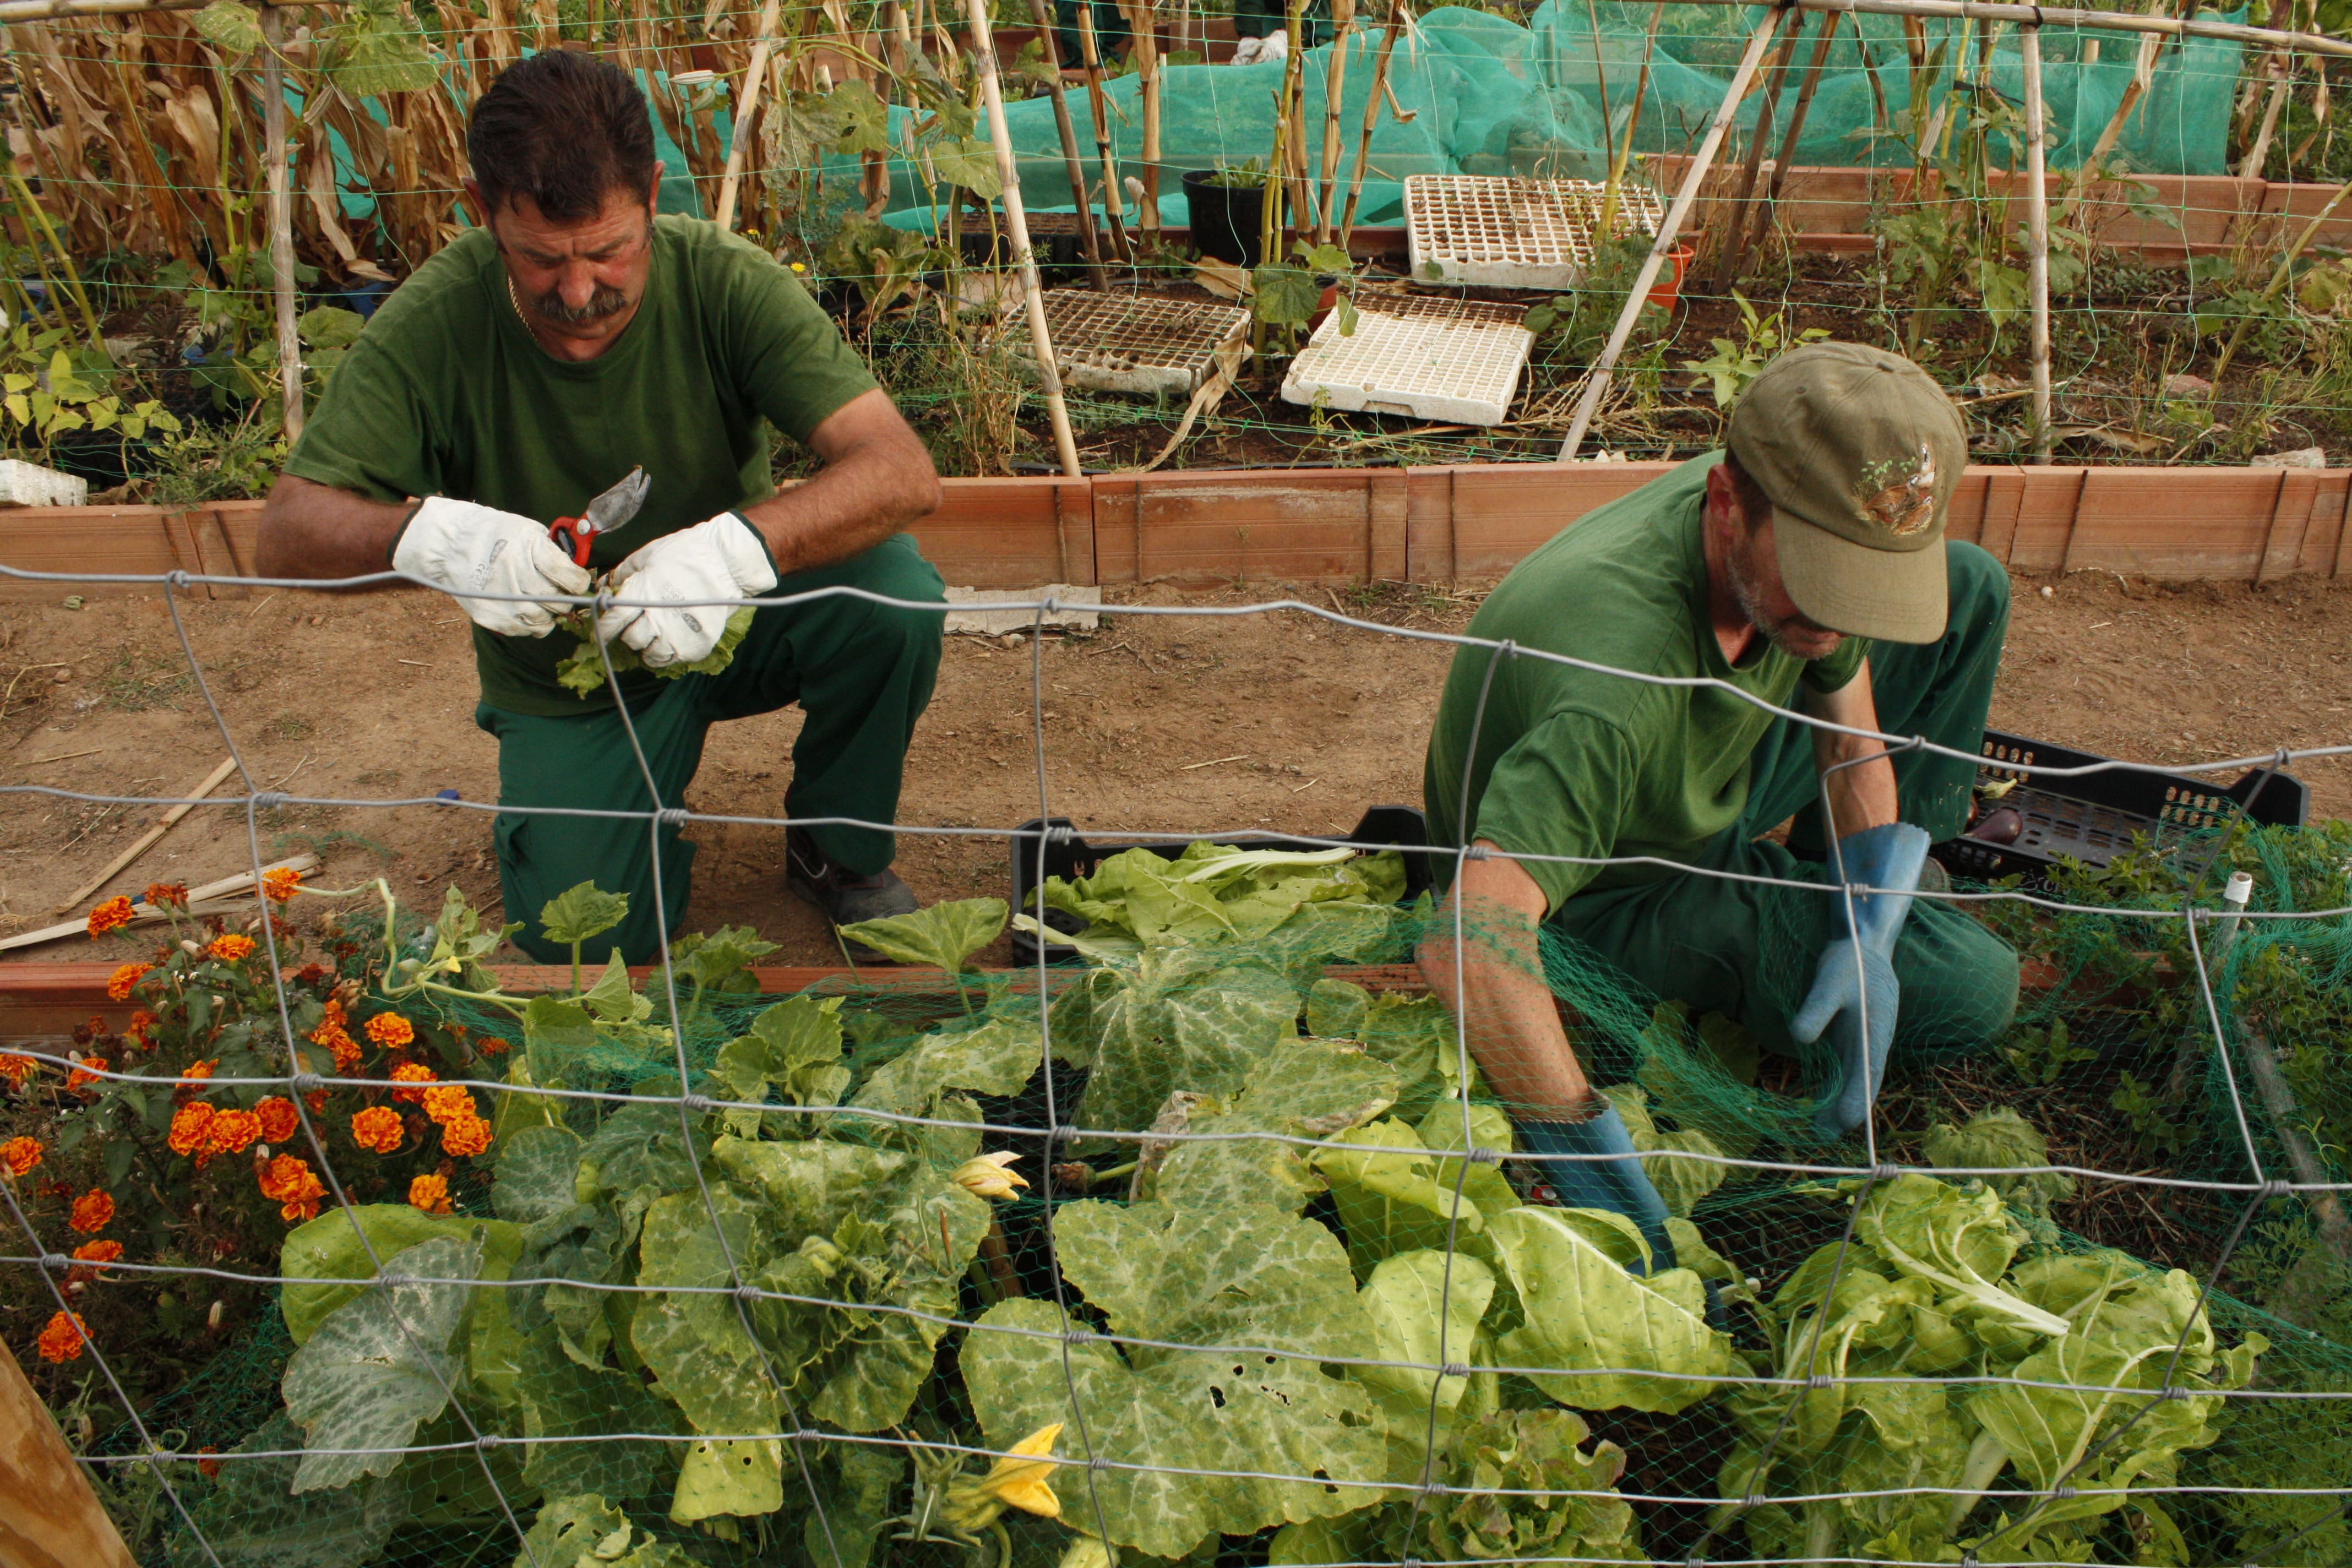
<point x="378" y="1366"/>
<point x="1586" y="1312"/>
<point x="1681" y="1183"/>
<point x="1421" y="1311"/>
<point x="944" y="936"/>
<point x="2000" y="1136"/>
<point x="1959" y="1242"/>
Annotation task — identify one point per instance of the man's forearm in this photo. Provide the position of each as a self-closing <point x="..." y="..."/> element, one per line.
<point x="1498" y="991"/>
<point x="1856" y="772"/>
<point x="310" y="530"/>
<point x="849" y="506"/>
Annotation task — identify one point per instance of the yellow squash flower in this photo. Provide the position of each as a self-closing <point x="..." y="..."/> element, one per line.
<point x="991" y="1176"/>
<point x="1017" y="1480"/>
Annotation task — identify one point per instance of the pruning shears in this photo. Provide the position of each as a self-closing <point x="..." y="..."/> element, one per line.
<point x="577" y="535"/>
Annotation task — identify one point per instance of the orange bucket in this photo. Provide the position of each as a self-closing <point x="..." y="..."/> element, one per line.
<point x="1667" y="290"/>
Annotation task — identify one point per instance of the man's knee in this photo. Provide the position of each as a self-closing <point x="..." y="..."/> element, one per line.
<point x="890" y="633"/>
<point x="1978" y="589"/>
<point x="1959" y="981"/>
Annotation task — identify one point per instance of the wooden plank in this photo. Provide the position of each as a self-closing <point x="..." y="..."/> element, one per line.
<point x="1387" y="522"/>
<point x="2045" y="517"/>
<point x="129" y="539"/>
<point x="1964" y="515"/>
<point x="1429" y="525"/>
<point x="997" y="534"/>
<point x="210" y="528"/>
<point x="2004" y="495"/>
<point x="1074" y="520"/>
<point x="2173" y="523"/>
<point x="2290" y="521"/>
<point x="1118" y="548"/>
<point x="52" y="1518"/>
<point x="1504" y="510"/>
<point x="1217" y="528"/>
<point x="2325" y="533"/>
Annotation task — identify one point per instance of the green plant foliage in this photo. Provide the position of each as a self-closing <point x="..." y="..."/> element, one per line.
<point x="1733" y="365"/>
<point x="944" y="936"/>
<point x="583" y="670"/>
<point x="2000" y="1136"/>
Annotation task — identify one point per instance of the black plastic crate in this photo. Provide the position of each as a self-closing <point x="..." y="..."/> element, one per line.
<point x="2094" y="818"/>
<point x="1071" y="855"/>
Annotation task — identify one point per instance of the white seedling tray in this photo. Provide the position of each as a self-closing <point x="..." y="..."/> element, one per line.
<point x="1495" y="233"/>
<point x="1452" y="362"/>
<point x="1138" y="343"/>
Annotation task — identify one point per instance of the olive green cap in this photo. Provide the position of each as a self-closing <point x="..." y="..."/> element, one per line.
<point x="1859" y="450"/>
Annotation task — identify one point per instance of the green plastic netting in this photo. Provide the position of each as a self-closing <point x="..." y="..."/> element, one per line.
<point x="1307" y="1294"/>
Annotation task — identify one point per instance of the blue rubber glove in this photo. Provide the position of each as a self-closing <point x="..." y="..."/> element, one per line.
<point x="1618" y="1185"/>
<point x="1859" y="967"/>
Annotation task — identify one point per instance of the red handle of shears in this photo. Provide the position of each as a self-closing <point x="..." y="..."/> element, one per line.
<point x="574" y="535"/>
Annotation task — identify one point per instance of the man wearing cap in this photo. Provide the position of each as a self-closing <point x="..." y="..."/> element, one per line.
<point x="1805" y="567"/>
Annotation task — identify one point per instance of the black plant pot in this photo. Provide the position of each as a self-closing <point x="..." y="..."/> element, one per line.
<point x="1226" y="219"/>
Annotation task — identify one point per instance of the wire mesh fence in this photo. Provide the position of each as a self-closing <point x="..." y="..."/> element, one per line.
<point x="1215" y="1242"/>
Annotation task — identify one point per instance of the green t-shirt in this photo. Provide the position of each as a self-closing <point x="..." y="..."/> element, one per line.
<point x="446" y="393"/>
<point x="1571" y="762"/>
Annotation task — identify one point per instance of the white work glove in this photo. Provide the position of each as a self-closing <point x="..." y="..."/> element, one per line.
<point x="670" y="600"/>
<point x="469" y="548"/>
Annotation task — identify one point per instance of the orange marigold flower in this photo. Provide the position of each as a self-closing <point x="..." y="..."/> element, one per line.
<point x="21" y="1155"/>
<point x="450" y="1102"/>
<point x="379" y="1127"/>
<point x="108" y="916"/>
<point x="90" y="1254"/>
<point x="281" y="884"/>
<point x="279" y="1121"/>
<point x="93" y="1212"/>
<point x="311" y="973"/>
<point x="200" y="1070"/>
<point x="490" y="1046"/>
<point x="62" y="1340"/>
<point x="390" y="1030"/>
<point x="209" y="1468"/>
<point x="232" y="1132"/>
<point x="430" y="1194"/>
<point x="167" y="894"/>
<point x="119" y="984"/>
<point x="317" y="1101"/>
<point x="85" y="1074"/>
<point x="141" y="1023"/>
<point x="288" y="1183"/>
<point x="188" y="1122"/>
<point x="230" y="948"/>
<point x="465" y="1136"/>
<point x="17" y="1069"/>
<point x="413" y="1072"/>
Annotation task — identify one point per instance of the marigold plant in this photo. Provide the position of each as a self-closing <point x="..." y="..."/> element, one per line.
<point x="21" y="1154"/>
<point x="447" y="1103"/>
<point x="391" y="1030"/>
<point x="281" y="884"/>
<point x="18" y="1068"/>
<point x="90" y="1254"/>
<point x="430" y="1194"/>
<point x="413" y="1072"/>
<point x="287" y="1181"/>
<point x="168" y="893"/>
<point x="188" y="1123"/>
<point x="62" y="1340"/>
<point x="230" y="948"/>
<point x="119" y="984"/>
<point x="279" y="1121"/>
<point x="200" y="1070"/>
<point x="93" y="1212"/>
<point x="84" y="1078"/>
<point x="111" y="915"/>
<point x="143" y="1025"/>
<point x="209" y="1468"/>
<point x="378" y="1127"/>
<point x="465" y="1137"/>
<point x="231" y="1132"/>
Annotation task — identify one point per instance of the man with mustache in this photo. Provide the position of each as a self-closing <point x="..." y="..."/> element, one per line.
<point x="1804" y="566"/>
<point x="569" y="337"/>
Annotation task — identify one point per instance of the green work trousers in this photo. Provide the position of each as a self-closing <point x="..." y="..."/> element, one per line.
<point x="1749" y="951"/>
<point x="861" y="671"/>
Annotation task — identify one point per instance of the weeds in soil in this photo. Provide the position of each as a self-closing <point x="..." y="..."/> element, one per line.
<point x="139" y="680"/>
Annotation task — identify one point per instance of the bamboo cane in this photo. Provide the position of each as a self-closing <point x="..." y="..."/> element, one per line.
<point x="2258" y="154"/>
<point x="2141" y="66"/>
<point x="1372" y="117"/>
<point x="2278" y="283"/>
<point x="281" y="214"/>
<point x="1089" y="246"/>
<point x="1290" y="142"/>
<point x="1334" y="82"/>
<point x="1016" y="224"/>
<point x="1114" y="197"/>
<point x="1611" y="192"/>
<point x="1597" y="386"/>
<point x="1144" y="23"/>
<point x="1726" y="260"/>
<point x="755" y="77"/>
<point x="2037" y="239"/>
<point x="1781" y="165"/>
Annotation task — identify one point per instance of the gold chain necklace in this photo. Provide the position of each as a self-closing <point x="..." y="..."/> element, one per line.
<point x="519" y="314"/>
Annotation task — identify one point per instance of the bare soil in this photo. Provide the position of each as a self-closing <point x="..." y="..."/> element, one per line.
<point x="1164" y="724"/>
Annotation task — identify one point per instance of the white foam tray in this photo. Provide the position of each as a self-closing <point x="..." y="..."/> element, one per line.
<point x="29" y="484"/>
<point x="1496" y="233"/>
<point x="1140" y="345"/>
<point x="1450" y="362"/>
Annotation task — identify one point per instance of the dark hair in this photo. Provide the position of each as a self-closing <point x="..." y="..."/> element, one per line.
<point x="1754" y="504"/>
<point x="562" y="128"/>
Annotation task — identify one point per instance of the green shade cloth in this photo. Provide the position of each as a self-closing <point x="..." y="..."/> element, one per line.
<point x="863" y="673"/>
<point x="1575" y="761"/>
<point x="1749" y="951"/>
<point x="447" y="394"/>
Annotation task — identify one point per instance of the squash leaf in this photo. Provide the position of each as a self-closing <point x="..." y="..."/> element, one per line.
<point x="582" y="912"/>
<point x="945" y="935"/>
